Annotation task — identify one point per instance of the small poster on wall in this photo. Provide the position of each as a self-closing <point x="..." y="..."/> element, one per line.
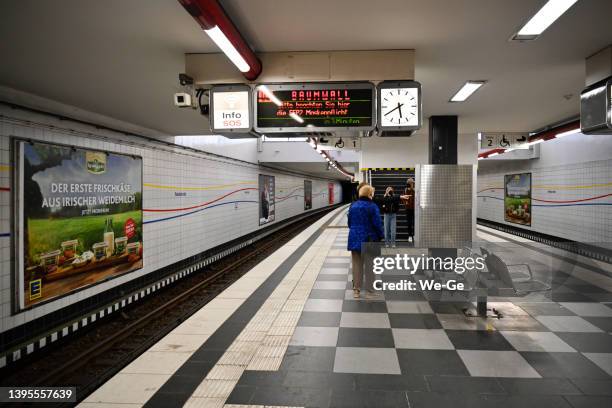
<point x="517" y="198"/>
<point x="307" y="194"/>
<point x="330" y="193"/>
<point x="266" y="199"/>
<point x="79" y="218"/>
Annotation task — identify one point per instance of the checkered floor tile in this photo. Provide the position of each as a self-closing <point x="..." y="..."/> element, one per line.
<point x="544" y="344"/>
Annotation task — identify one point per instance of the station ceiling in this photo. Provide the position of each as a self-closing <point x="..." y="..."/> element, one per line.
<point x="121" y="58"/>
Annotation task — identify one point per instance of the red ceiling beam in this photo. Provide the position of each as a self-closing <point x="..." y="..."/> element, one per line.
<point x="212" y="18"/>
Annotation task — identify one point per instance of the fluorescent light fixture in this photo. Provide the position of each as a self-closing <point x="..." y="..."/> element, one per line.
<point x="296" y="117"/>
<point x="535" y="142"/>
<point x="228" y="49"/>
<point x="569" y="132"/>
<point x="543" y="19"/>
<point x="493" y="154"/>
<point x="270" y="95"/>
<point x="467" y="90"/>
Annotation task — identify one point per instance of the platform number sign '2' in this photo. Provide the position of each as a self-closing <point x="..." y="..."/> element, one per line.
<point x="504" y="140"/>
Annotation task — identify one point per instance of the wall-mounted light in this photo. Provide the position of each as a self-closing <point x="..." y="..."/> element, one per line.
<point x="228" y="49"/>
<point x="535" y="142"/>
<point x="569" y="132"/>
<point x="216" y="24"/>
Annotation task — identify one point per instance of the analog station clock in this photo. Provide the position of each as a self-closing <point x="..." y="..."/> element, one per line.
<point x="399" y="105"/>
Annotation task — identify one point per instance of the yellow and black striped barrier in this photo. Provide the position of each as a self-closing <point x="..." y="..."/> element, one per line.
<point x="387" y="168"/>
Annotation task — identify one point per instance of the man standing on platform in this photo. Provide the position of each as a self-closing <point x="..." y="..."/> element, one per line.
<point x="409" y="203"/>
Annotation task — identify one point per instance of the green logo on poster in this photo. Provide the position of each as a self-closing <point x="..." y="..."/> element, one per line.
<point x="96" y="162"/>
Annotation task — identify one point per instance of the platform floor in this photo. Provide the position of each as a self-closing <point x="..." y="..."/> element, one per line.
<point x="289" y="333"/>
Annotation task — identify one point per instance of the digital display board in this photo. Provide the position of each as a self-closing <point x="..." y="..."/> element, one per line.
<point x="286" y="108"/>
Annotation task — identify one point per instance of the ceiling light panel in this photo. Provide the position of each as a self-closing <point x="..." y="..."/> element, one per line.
<point x="467" y="90"/>
<point x="543" y="19"/>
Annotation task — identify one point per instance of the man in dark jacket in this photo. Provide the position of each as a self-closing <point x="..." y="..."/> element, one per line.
<point x="408" y="199"/>
<point x="364" y="226"/>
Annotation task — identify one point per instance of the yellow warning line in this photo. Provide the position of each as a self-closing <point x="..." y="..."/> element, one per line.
<point x="559" y="186"/>
<point x="183" y="188"/>
<point x="562" y="187"/>
<point x="386" y="168"/>
<point x="4" y="167"/>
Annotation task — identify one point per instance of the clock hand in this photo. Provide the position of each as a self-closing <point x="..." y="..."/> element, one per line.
<point x="394" y="109"/>
<point x="400" y="109"/>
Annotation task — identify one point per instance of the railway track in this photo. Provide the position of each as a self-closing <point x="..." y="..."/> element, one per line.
<point x="95" y="356"/>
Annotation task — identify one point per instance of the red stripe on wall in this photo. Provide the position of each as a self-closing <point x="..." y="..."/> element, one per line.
<point x="199" y="205"/>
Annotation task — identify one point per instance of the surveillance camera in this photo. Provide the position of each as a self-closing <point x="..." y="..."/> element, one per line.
<point x="185" y="79"/>
<point x="182" y="100"/>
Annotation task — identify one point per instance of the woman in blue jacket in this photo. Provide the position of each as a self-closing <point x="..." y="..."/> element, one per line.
<point x="364" y="226"/>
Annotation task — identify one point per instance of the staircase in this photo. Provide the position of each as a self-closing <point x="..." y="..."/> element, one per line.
<point x="380" y="180"/>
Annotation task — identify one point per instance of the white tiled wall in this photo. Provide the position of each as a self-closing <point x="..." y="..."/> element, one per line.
<point x="166" y="170"/>
<point x="556" y="191"/>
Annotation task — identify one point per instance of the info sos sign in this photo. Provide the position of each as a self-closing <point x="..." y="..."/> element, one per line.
<point x="230" y="106"/>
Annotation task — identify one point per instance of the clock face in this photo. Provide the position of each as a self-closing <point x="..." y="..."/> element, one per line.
<point x="399" y="107"/>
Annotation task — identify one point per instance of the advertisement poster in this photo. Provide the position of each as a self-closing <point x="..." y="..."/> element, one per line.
<point x="266" y="199"/>
<point x="330" y="193"/>
<point x="517" y="198"/>
<point x="307" y="194"/>
<point x="80" y="218"/>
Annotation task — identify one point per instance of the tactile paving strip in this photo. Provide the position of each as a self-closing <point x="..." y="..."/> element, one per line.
<point x="210" y="388"/>
<point x="263" y="342"/>
<point x="204" y="403"/>
<point x="225" y="372"/>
